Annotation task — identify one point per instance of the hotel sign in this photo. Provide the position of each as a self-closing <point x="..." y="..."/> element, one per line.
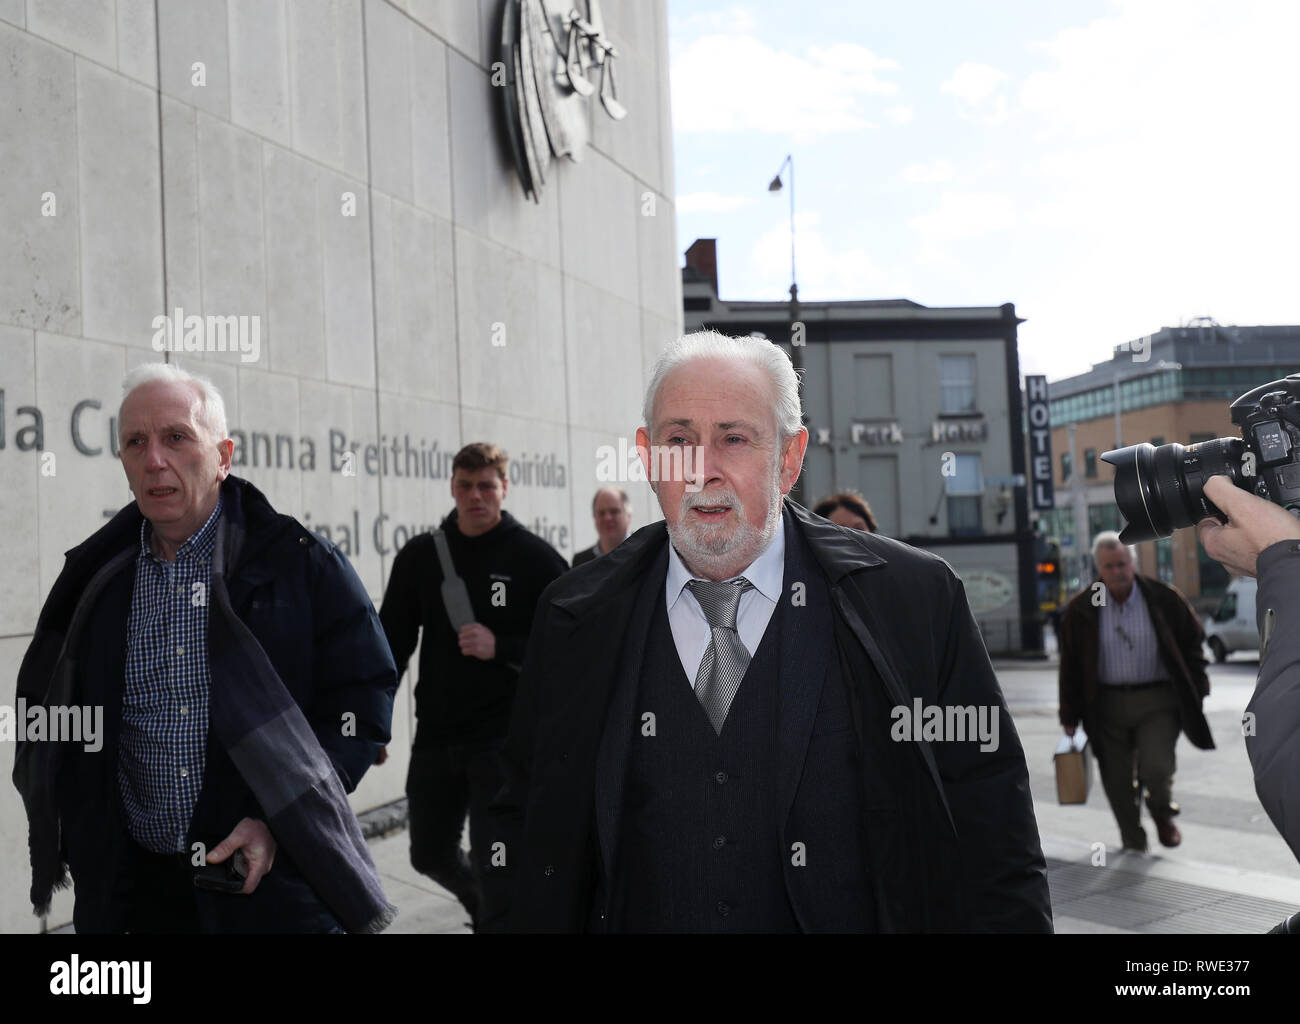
<point x="880" y="433"/>
<point x="959" y="430"/>
<point x="1040" y="444"/>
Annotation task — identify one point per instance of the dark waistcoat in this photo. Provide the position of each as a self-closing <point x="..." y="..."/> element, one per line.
<point x="700" y="845"/>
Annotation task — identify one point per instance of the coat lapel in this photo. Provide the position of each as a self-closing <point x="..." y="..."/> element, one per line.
<point x="840" y="554"/>
<point x="609" y="614"/>
<point x="806" y="641"/>
<point x="895" y="689"/>
<point x="621" y="718"/>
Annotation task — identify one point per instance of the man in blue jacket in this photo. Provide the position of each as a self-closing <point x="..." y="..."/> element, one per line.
<point x="246" y="686"/>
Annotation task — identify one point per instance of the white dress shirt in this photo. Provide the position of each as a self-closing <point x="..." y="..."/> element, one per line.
<point x="690" y="628"/>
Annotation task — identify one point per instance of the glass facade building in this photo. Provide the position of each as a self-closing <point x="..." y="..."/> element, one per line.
<point x="1174" y="385"/>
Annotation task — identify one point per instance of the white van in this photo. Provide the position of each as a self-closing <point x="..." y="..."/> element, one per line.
<point x="1232" y="626"/>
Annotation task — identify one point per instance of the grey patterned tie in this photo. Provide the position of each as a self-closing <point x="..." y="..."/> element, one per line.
<point x="725" y="659"/>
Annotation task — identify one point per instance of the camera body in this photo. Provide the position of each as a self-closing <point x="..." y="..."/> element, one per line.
<point x="1160" y="490"/>
<point x="1269" y="418"/>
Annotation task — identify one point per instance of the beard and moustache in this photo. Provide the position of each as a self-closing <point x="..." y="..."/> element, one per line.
<point x="709" y="549"/>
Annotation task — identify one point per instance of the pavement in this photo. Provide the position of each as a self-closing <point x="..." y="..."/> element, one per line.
<point x="1232" y="874"/>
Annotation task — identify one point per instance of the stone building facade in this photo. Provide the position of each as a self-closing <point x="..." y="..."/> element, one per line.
<point x="336" y="177"/>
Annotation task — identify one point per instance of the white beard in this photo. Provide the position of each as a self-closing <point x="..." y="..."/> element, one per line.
<point x="708" y="549"/>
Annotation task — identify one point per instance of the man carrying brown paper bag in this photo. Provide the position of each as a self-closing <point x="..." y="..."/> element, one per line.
<point x="1133" y="672"/>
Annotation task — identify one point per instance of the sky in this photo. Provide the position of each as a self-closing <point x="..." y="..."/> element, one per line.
<point x="1110" y="166"/>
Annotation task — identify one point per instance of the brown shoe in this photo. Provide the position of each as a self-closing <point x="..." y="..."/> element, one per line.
<point x="1168" y="832"/>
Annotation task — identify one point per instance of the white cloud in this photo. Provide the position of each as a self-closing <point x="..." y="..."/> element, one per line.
<point x="1163" y="167"/>
<point x="900" y="114"/>
<point x="824" y="271"/>
<point x="924" y="174"/>
<point x="735" y="83"/>
<point x="974" y="83"/>
<point x="734" y="21"/>
<point x="1150" y="175"/>
<point x="980" y="88"/>
<point x="964" y="215"/>
<point x="711" y="202"/>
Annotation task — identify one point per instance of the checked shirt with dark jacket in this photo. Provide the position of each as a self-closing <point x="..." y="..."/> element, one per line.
<point x="304" y="606"/>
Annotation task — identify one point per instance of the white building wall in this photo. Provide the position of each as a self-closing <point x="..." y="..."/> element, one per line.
<point x="228" y="198"/>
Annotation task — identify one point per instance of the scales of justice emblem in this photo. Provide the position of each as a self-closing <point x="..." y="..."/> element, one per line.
<point x="556" y="56"/>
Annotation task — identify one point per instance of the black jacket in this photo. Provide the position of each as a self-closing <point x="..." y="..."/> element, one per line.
<point x="953" y="842"/>
<point x="586" y="555"/>
<point x="461" y="698"/>
<point x="307" y="609"/>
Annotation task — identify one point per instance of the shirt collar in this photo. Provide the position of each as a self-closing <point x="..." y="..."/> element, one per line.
<point x="765" y="572"/>
<point x="1121" y="607"/>
<point x="200" y="545"/>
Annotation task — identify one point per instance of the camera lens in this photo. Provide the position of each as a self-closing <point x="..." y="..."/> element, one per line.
<point x="1160" y="490"/>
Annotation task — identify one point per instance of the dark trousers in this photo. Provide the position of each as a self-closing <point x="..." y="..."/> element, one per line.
<point x="160" y="893"/>
<point x="444" y="782"/>
<point x="1134" y="734"/>
<point x="159" y="898"/>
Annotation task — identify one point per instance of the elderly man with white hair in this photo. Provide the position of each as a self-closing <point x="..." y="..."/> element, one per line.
<point x="707" y="731"/>
<point x="1133" y="673"/>
<point x="246" y="685"/>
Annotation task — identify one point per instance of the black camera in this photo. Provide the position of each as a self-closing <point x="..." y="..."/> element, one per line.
<point x="1160" y="490"/>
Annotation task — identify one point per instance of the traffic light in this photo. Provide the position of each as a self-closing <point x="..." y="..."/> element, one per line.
<point x="1049" y="577"/>
<point x="1049" y="563"/>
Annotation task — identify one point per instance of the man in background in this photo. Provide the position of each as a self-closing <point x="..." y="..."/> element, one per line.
<point x="1133" y="672"/>
<point x="613" y="514"/>
<point x="469" y="659"/>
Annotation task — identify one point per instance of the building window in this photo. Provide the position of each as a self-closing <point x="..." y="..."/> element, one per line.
<point x="1102" y="517"/>
<point x="965" y="490"/>
<point x="873" y="377"/>
<point x="956" y="385"/>
<point x="1213" y="576"/>
<point x="1157" y="441"/>
<point x="964" y="517"/>
<point x="1165" y="559"/>
<point x="1090" y="462"/>
<point x="1201" y="438"/>
<point x="1067" y="467"/>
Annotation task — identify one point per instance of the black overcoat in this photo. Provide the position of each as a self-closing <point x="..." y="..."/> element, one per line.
<point x="950" y="829"/>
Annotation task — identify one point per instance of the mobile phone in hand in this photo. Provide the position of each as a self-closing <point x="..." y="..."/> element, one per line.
<point x="228" y="876"/>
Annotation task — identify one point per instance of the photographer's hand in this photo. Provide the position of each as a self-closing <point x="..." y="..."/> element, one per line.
<point x="1253" y="524"/>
